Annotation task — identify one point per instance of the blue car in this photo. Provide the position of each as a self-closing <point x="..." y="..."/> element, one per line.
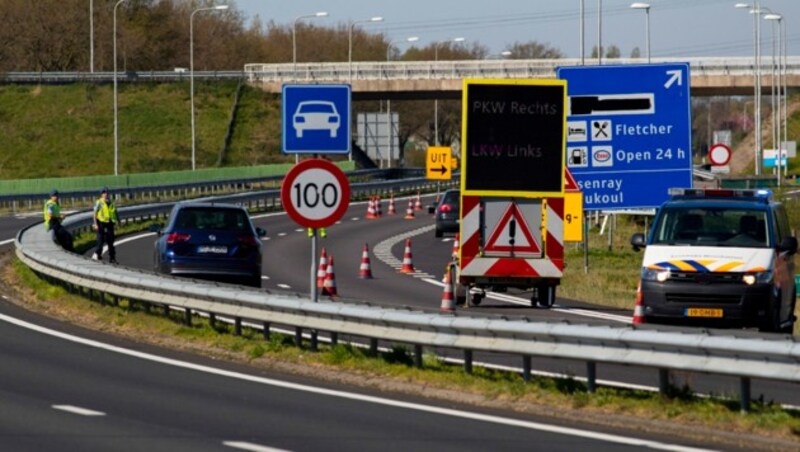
<point x="210" y="241"/>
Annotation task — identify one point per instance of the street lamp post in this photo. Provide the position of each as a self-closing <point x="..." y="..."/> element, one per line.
<point x="91" y="36"/>
<point x="116" y="121"/>
<point x="350" y="43"/>
<point x="599" y="31"/>
<point x="389" y="122"/>
<point x="776" y="90"/>
<point x="191" y="74"/>
<point x="756" y="11"/>
<point x="294" y="37"/>
<point x="646" y="8"/>
<point x="436" y="101"/>
<point x="581" y="33"/>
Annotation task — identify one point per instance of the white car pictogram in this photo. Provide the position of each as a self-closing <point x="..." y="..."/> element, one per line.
<point x="316" y="115"/>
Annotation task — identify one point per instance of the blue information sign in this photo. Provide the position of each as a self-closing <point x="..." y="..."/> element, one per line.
<point x="629" y="133"/>
<point x="316" y="119"/>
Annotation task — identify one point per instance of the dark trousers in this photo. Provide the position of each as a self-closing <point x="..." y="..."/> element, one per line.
<point x="105" y="234"/>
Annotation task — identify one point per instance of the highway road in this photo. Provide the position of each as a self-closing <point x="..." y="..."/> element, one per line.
<point x="286" y="268"/>
<point x="65" y="388"/>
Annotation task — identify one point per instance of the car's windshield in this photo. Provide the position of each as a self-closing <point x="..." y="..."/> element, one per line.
<point x="316" y="108"/>
<point x="212" y="218"/>
<point x="712" y="226"/>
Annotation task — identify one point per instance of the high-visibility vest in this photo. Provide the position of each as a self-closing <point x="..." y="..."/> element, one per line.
<point x="51" y="209"/>
<point x="106" y="212"/>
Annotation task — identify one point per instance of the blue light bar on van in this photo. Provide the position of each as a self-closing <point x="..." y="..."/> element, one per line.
<point x="719" y="193"/>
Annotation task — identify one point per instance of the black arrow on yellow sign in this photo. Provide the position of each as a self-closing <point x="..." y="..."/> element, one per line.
<point x="442" y="170"/>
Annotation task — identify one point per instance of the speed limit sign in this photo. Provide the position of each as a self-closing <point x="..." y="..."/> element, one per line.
<point x="315" y="193"/>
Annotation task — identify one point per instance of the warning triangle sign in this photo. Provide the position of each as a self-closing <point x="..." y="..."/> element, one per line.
<point x="512" y="236"/>
<point x="569" y="182"/>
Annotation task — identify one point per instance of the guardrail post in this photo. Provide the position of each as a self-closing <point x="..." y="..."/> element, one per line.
<point x="591" y="376"/>
<point x="166" y="310"/>
<point x="418" y="355"/>
<point x="526" y="369"/>
<point x="298" y="337"/>
<point x="115" y="300"/>
<point x="468" y="361"/>
<point x="334" y="338"/>
<point x="237" y="326"/>
<point x="187" y="318"/>
<point x="663" y="381"/>
<point x="212" y="320"/>
<point x="373" y="347"/>
<point x="744" y="394"/>
<point x="266" y="330"/>
<point x="314" y="341"/>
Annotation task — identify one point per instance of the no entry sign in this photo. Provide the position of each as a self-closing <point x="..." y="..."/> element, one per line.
<point x="315" y="193"/>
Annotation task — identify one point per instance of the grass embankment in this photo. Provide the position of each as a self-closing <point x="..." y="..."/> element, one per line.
<point x="394" y="371"/>
<point x="68" y="130"/>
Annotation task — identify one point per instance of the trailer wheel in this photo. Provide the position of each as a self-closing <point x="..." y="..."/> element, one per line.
<point x="475" y="299"/>
<point x="545" y="296"/>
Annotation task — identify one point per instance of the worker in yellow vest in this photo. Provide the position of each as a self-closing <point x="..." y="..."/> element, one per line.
<point x="52" y="212"/>
<point x="105" y="217"/>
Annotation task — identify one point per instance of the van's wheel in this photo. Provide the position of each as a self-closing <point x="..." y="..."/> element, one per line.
<point x="773" y="323"/>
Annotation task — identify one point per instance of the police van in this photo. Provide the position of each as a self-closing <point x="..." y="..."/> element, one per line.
<point x="719" y="257"/>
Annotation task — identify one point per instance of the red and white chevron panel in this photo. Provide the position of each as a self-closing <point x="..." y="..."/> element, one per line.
<point x="551" y="265"/>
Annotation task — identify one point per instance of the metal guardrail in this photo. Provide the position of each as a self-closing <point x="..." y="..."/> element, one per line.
<point x="153" y="193"/>
<point x="767" y="357"/>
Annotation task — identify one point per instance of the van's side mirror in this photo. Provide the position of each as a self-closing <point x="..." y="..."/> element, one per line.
<point x="260" y="232"/>
<point x="789" y="245"/>
<point x="638" y="241"/>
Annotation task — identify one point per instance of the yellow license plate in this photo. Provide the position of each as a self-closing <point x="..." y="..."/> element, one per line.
<point x="704" y="312"/>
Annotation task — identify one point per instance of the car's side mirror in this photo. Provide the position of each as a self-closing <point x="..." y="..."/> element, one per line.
<point x="789" y="245"/>
<point x="431" y="209"/>
<point x="260" y="232"/>
<point x="638" y="241"/>
<point x="156" y="228"/>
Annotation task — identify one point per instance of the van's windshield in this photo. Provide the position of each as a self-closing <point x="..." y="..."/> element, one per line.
<point x="709" y="226"/>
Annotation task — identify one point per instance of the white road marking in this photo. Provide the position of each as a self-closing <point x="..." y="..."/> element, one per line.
<point x="303" y="230"/>
<point x="131" y="238"/>
<point x="530" y="425"/>
<point x="265" y="277"/>
<point x="355" y="219"/>
<point x="78" y="410"/>
<point x="251" y="447"/>
<point x="6" y="242"/>
<point x="281" y="234"/>
<point x="284" y="286"/>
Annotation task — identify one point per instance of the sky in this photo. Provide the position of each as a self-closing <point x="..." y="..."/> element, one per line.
<point x="689" y="28"/>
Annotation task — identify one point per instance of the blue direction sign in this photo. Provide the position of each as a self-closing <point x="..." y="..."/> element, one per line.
<point x="628" y="133"/>
<point x="316" y="119"/>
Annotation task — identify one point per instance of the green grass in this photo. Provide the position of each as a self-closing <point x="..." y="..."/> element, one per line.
<point x="68" y="130"/>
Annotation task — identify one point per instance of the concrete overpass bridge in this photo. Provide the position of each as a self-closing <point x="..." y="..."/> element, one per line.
<point x="442" y="79"/>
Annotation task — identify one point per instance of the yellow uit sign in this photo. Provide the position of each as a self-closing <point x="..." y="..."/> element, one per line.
<point x="573" y="217"/>
<point x="438" y="165"/>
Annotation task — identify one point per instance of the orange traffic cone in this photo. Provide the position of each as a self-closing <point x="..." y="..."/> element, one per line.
<point x="418" y="203"/>
<point x="638" y="308"/>
<point x="378" y="208"/>
<point x="364" y="271"/>
<point x="408" y="266"/>
<point x="371" y="209"/>
<point x="329" y="287"/>
<point x="392" y="209"/>
<point x="454" y="254"/>
<point x="323" y="267"/>
<point x="448" y="301"/>
<point x="410" y="210"/>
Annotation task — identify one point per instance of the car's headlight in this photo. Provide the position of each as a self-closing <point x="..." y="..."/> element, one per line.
<point x="652" y="274"/>
<point x="759" y="278"/>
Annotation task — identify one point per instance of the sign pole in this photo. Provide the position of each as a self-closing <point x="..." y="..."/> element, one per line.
<point x="585" y="244"/>
<point x="313" y="286"/>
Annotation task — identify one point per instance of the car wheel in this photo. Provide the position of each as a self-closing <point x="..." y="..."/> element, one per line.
<point x="475" y="299"/>
<point x="438" y="233"/>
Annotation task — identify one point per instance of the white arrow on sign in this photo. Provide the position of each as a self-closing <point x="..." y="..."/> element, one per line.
<point x="677" y="76"/>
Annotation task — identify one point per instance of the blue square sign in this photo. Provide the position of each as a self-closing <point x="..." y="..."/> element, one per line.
<point x="316" y="119"/>
<point x="629" y="134"/>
